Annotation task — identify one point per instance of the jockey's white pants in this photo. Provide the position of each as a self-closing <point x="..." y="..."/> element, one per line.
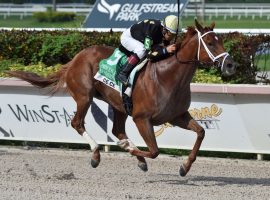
<point x="132" y="44"/>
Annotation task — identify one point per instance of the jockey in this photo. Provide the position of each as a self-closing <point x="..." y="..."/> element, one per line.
<point x="140" y="38"/>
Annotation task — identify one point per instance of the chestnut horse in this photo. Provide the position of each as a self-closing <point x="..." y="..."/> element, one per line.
<point x="166" y="84"/>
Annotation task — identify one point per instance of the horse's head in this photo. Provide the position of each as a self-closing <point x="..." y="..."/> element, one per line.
<point x="211" y="49"/>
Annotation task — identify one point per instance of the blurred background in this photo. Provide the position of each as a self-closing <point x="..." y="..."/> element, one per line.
<point x="226" y="13"/>
<point x="244" y="26"/>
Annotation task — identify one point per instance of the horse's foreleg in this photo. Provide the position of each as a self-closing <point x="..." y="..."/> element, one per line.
<point x="147" y="132"/>
<point x="118" y="130"/>
<point x="187" y="122"/>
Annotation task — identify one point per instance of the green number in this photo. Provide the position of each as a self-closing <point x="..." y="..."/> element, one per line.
<point x="147" y="43"/>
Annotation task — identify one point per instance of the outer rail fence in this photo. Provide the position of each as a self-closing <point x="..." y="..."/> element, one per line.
<point x="24" y="10"/>
<point x="235" y="118"/>
<point x="211" y="10"/>
<point x="227" y="10"/>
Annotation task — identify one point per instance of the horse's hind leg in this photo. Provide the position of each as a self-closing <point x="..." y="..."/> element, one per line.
<point x="118" y="130"/>
<point x="187" y="122"/>
<point x="82" y="92"/>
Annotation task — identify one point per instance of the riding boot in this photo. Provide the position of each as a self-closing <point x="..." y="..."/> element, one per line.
<point x="127" y="68"/>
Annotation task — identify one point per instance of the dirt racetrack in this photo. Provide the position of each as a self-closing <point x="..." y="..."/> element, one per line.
<point x="55" y="174"/>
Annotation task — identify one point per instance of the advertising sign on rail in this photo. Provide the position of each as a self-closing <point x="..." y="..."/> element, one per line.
<point x="234" y="123"/>
<point x="124" y="13"/>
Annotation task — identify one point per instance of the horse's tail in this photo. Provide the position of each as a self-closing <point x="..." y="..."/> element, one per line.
<point x="55" y="80"/>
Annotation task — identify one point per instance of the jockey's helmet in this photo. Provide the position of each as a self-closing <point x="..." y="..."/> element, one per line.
<point x="170" y="23"/>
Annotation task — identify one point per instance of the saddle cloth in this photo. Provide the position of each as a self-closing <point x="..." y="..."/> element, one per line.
<point x="110" y="67"/>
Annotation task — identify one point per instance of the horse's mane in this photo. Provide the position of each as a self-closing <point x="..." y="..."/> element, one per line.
<point x="191" y="31"/>
<point x="189" y="34"/>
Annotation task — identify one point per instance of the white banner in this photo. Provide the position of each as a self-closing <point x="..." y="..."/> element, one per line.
<point x="233" y="122"/>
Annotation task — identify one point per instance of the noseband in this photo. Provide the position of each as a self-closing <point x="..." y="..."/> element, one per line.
<point x="211" y="56"/>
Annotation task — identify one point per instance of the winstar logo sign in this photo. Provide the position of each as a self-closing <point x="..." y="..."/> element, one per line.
<point x="104" y="7"/>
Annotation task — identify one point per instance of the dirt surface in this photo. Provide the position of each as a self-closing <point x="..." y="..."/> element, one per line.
<point x="53" y="174"/>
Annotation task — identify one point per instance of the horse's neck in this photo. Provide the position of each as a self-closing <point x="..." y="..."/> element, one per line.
<point x="189" y="50"/>
<point x="180" y="74"/>
<point x="188" y="53"/>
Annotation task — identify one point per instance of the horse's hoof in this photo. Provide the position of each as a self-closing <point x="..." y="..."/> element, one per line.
<point x="143" y="166"/>
<point x="182" y="171"/>
<point x="94" y="163"/>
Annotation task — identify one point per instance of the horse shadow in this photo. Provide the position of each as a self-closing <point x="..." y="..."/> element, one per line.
<point x="216" y="181"/>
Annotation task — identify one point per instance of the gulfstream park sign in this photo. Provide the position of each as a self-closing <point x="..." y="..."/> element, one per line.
<point x="123" y="13"/>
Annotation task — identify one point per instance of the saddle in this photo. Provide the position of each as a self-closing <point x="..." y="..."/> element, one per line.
<point x="110" y="67"/>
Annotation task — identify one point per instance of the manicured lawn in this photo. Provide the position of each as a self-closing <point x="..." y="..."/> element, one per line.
<point x="234" y="23"/>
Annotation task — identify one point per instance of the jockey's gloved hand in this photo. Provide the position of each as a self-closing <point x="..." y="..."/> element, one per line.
<point x="158" y="54"/>
<point x="171" y="48"/>
<point x="148" y="43"/>
<point x="154" y="56"/>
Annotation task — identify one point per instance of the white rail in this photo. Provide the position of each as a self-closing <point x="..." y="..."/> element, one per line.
<point x="229" y="10"/>
<point x="23" y="10"/>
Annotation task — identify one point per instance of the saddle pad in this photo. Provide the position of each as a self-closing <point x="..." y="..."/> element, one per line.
<point x="109" y="68"/>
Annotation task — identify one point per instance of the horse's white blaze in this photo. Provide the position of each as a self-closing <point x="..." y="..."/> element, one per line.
<point x="90" y="140"/>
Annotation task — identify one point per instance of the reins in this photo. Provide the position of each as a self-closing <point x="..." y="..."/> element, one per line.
<point x="178" y="22"/>
<point x="175" y="39"/>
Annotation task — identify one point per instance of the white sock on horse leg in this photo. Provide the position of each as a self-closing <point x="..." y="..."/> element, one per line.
<point x="131" y="146"/>
<point x="90" y="140"/>
<point x="126" y="144"/>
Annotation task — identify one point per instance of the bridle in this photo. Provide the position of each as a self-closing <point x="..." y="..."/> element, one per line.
<point x="211" y="56"/>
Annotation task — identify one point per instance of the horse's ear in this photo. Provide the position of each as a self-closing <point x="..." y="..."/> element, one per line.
<point x="198" y="26"/>
<point x="212" y="26"/>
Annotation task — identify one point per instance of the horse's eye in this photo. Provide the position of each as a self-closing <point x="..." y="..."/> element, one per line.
<point x="210" y="44"/>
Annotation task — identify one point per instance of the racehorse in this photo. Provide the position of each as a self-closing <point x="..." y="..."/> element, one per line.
<point x="161" y="93"/>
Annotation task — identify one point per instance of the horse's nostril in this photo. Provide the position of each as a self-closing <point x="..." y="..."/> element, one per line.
<point x="229" y="68"/>
<point x="230" y="65"/>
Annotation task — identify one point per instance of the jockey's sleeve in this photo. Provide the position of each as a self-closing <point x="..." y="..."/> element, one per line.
<point x="158" y="53"/>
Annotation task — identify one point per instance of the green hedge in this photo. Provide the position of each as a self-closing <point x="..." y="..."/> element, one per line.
<point x="51" y="16"/>
<point x="59" y="47"/>
<point x="49" y="47"/>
